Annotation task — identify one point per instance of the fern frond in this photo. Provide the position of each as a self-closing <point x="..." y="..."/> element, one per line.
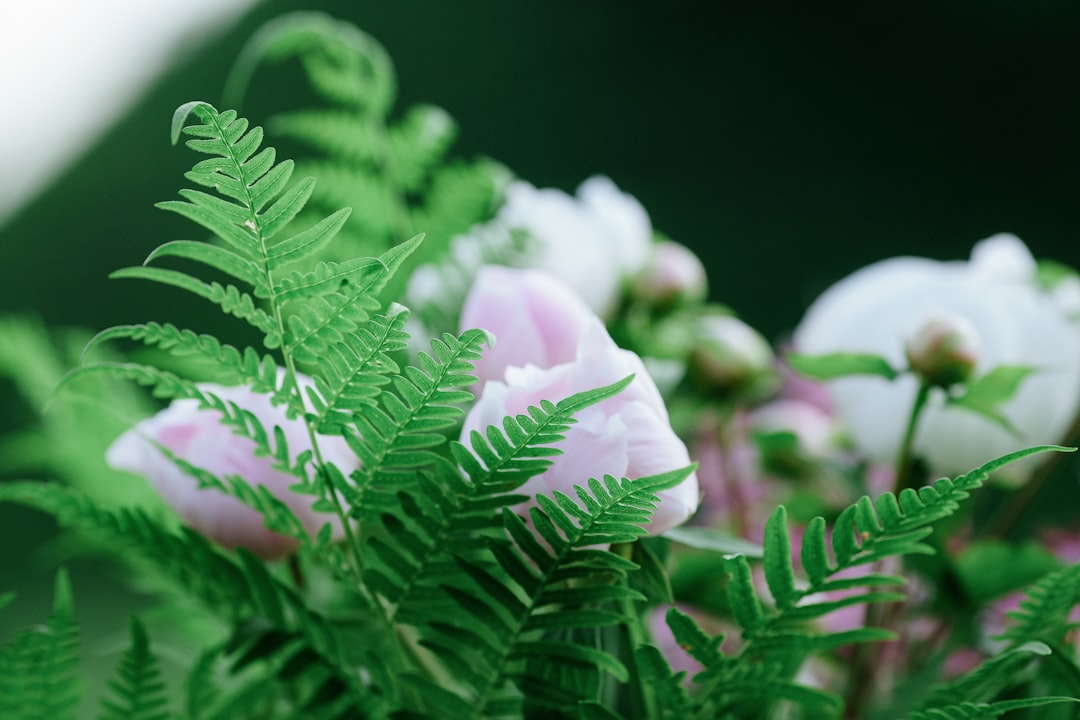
<point x="446" y="514"/>
<point x="544" y="586"/>
<point x="261" y="373"/>
<point x="671" y="697"/>
<point x="1044" y="612"/>
<point x="393" y="170"/>
<point x="394" y="439"/>
<point x="257" y="203"/>
<point x="354" y="372"/>
<point x="170" y="385"/>
<point x="239" y="588"/>
<point x="228" y="297"/>
<point x="985" y="711"/>
<point x="305" y="685"/>
<point x="277" y="516"/>
<point x="137" y="688"/>
<point x="864" y="532"/>
<point x="38" y="679"/>
<point x="327" y="319"/>
<point x="988" y="680"/>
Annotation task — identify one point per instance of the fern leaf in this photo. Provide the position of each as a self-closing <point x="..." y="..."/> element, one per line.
<point x="393" y="440"/>
<point x="445" y="514"/>
<point x="671" y="696"/>
<point x="325" y="277"/>
<point x="240" y="421"/>
<point x="38" y="666"/>
<point x="504" y="611"/>
<point x="354" y="372"/>
<point x="241" y="590"/>
<point x="327" y="319"/>
<point x="228" y="297"/>
<point x="985" y="682"/>
<point x="137" y="688"/>
<point x="308" y="242"/>
<point x="393" y="170"/>
<point x="249" y="368"/>
<point x="779" y="572"/>
<point x="864" y="532"/>
<point x="220" y="258"/>
<point x="984" y="711"/>
<point x="1044" y="612"/>
<point x="742" y="597"/>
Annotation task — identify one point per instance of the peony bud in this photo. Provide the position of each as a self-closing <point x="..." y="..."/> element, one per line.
<point x="945" y="350"/>
<point x="674" y="275"/>
<point x="732" y="357"/>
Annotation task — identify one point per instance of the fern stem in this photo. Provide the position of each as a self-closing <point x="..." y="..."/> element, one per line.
<point x="254" y="224"/>
<point x="643" y="698"/>
<point x="398" y="661"/>
<point x="866" y="661"/>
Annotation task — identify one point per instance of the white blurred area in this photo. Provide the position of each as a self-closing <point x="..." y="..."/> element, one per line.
<point x="69" y="68"/>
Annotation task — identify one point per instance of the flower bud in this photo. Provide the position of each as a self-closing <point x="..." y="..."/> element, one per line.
<point x="731" y="357"/>
<point x="944" y="350"/>
<point x="674" y="275"/>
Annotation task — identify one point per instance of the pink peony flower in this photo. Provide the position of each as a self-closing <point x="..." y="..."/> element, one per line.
<point x="628" y="435"/>
<point x="535" y="319"/>
<point x="197" y="436"/>
<point x="673" y="275"/>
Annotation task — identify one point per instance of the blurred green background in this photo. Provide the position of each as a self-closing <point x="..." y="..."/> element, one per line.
<point x="787" y="143"/>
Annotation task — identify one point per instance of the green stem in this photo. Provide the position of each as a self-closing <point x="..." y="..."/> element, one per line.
<point x="866" y="661"/>
<point x="905" y="463"/>
<point x="634" y="636"/>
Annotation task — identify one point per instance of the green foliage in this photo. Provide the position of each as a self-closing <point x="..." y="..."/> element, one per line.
<point x="775" y="637"/>
<point x="986" y="681"/>
<point x="67" y="440"/>
<point x="448" y="515"/>
<point x="837" y="365"/>
<point x="990" y="569"/>
<point x="543" y="586"/>
<point x="137" y="688"/>
<point x="986" y="394"/>
<point x="704" y="538"/>
<point x="443" y="600"/>
<point x="1044" y="612"/>
<point x="395" y="172"/>
<point x="238" y="589"/>
<point x="985" y="711"/>
<point x="38" y="679"/>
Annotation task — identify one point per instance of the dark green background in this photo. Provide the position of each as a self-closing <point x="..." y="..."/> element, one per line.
<point x="788" y="143"/>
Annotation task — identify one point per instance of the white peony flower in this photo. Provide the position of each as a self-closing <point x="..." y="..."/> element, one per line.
<point x="592" y="242"/>
<point x="881" y="307"/>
